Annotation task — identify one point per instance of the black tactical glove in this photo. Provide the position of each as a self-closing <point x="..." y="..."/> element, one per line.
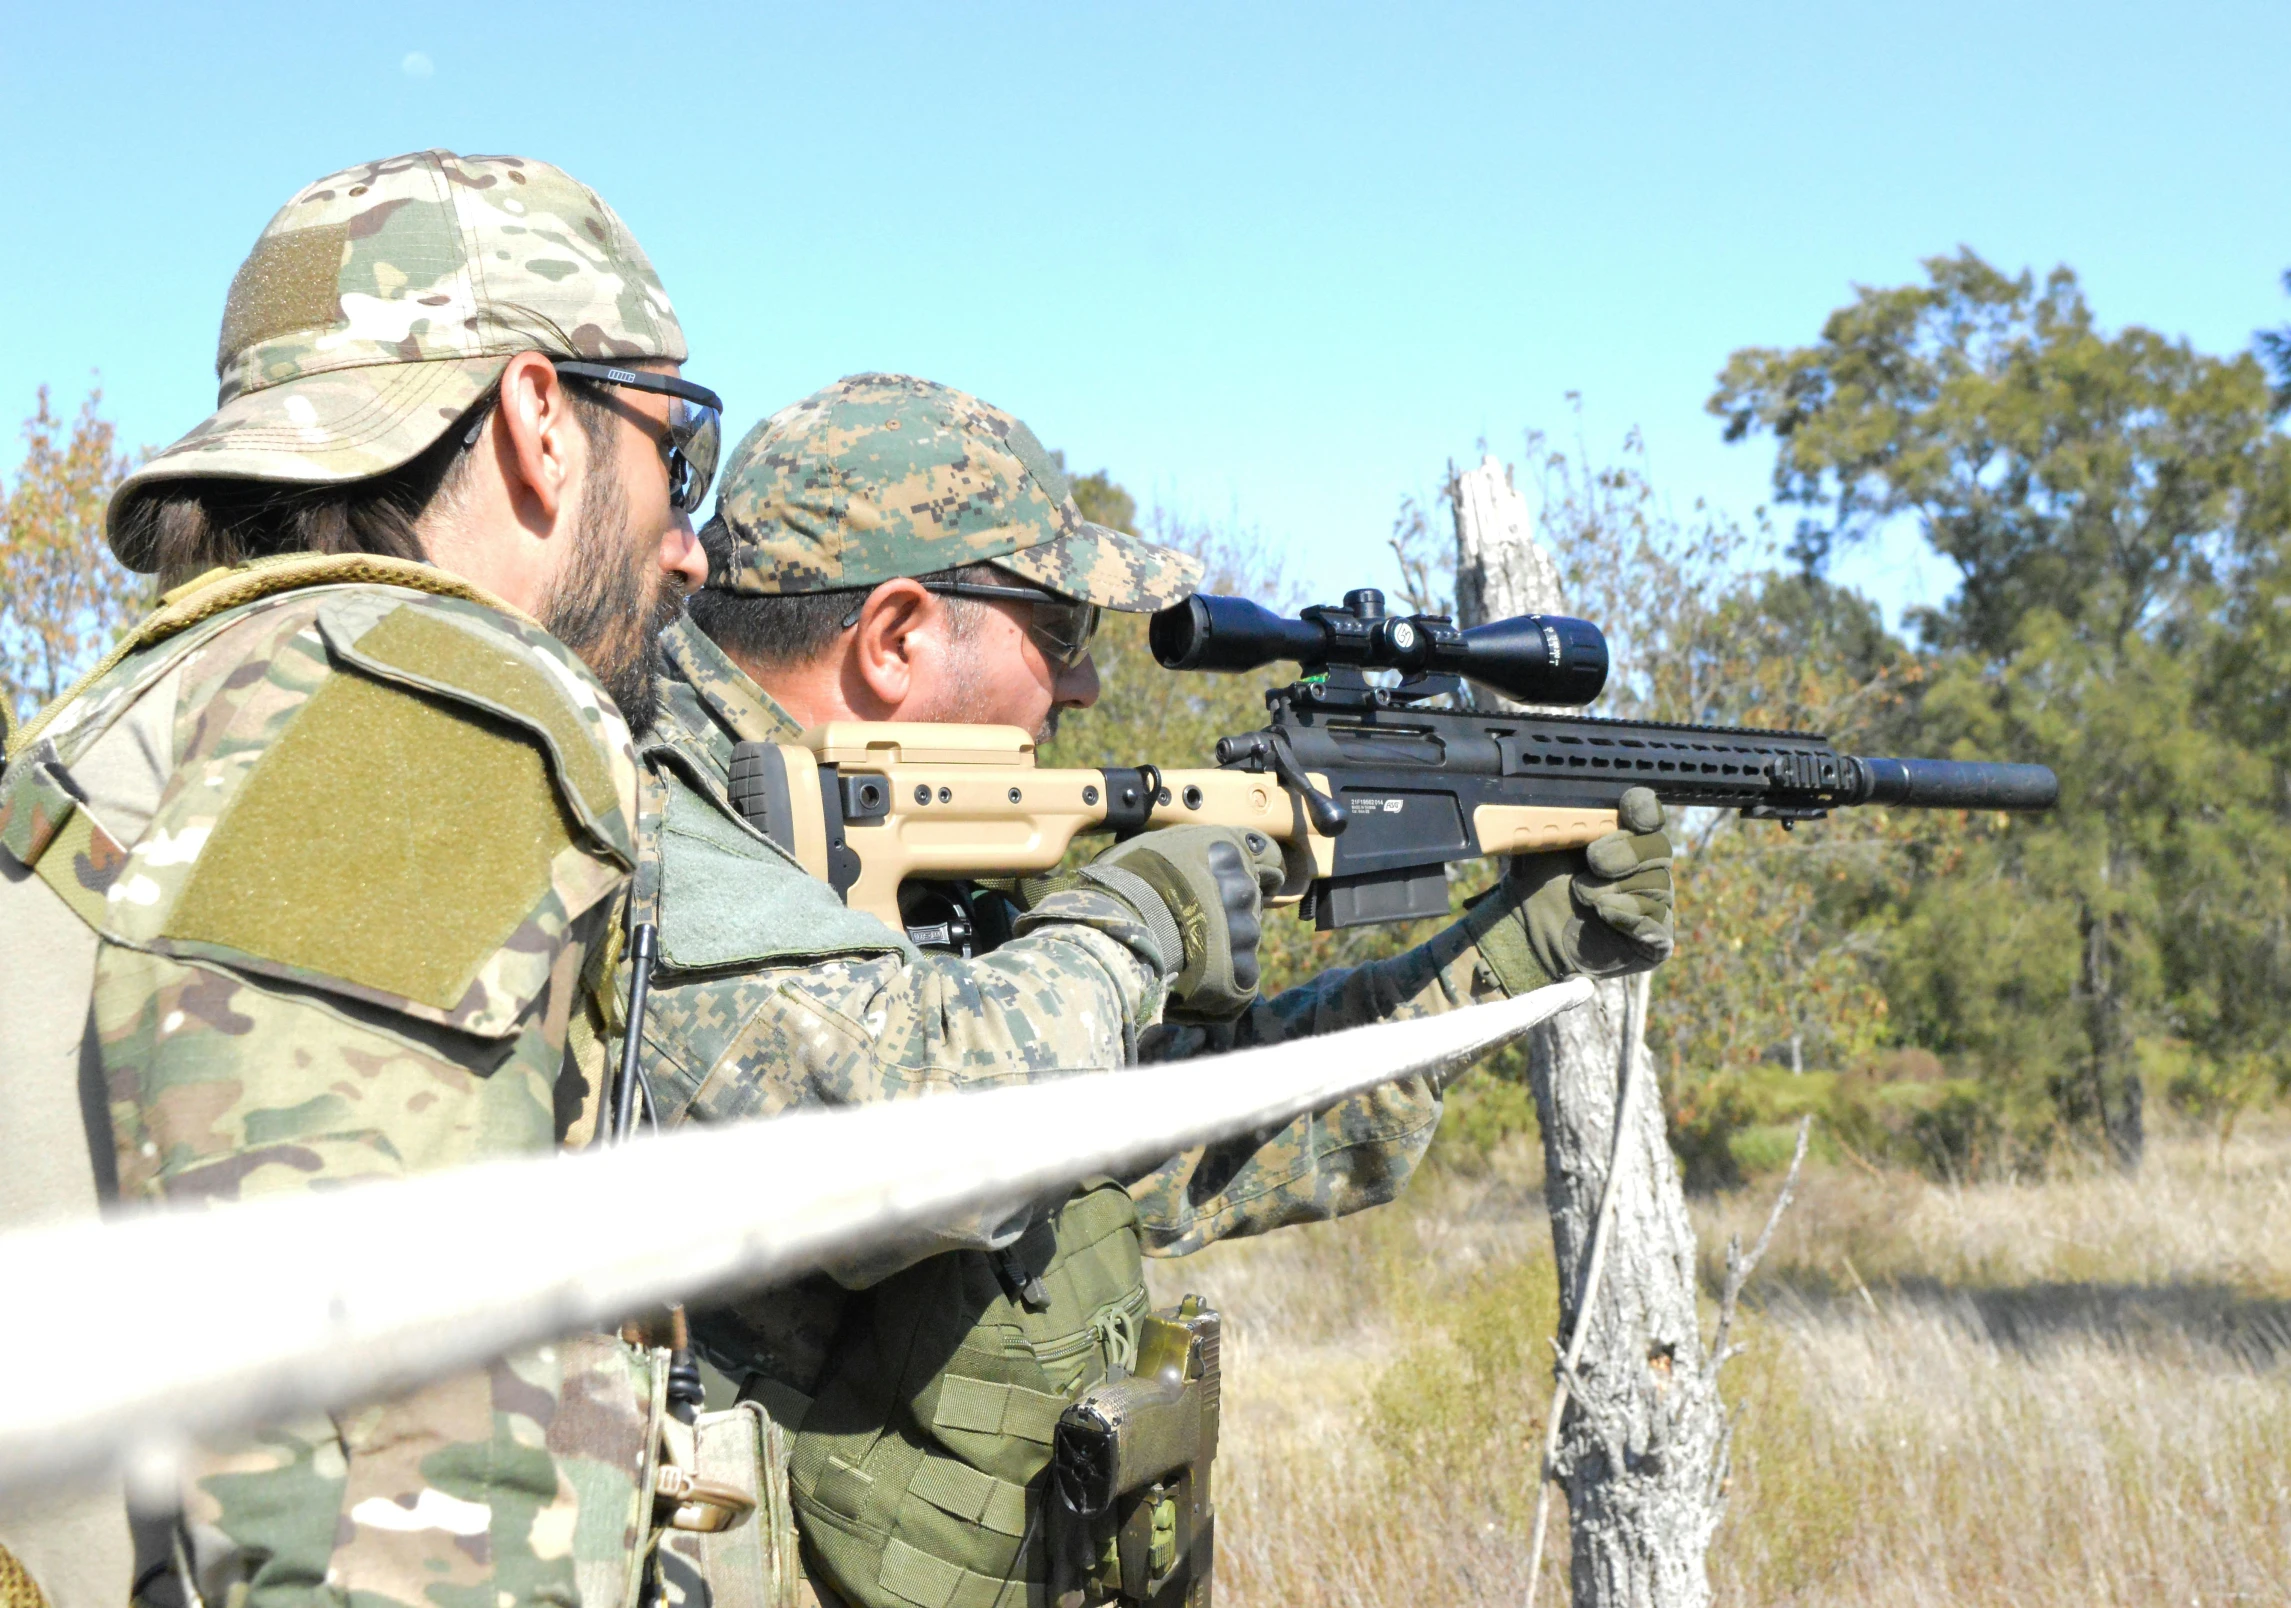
<point x="1198" y="891"/>
<point x="1600" y="911"/>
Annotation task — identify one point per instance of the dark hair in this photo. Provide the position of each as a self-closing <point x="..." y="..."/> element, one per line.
<point x="790" y="628"/>
<point x="180" y="528"/>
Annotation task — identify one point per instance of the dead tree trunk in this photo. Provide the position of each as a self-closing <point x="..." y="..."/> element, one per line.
<point x="1642" y="1444"/>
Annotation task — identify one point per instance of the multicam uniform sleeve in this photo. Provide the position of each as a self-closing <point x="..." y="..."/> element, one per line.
<point x="344" y="945"/>
<point x="1325" y="1164"/>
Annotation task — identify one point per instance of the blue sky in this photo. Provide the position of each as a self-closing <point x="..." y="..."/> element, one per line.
<point x="1269" y="264"/>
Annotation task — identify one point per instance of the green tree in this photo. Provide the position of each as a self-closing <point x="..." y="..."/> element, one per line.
<point x="1101" y="498"/>
<point x="2274" y="348"/>
<point x="1777" y="947"/>
<point x="63" y="598"/>
<point x="2097" y="494"/>
<point x="1103" y="502"/>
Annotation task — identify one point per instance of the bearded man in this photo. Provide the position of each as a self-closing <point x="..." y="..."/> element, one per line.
<point x="298" y="886"/>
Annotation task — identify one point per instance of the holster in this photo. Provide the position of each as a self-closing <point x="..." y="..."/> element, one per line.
<point x="1130" y="1514"/>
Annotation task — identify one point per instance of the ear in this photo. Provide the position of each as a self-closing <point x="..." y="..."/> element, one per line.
<point x="899" y="642"/>
<point x="536" y="440"/>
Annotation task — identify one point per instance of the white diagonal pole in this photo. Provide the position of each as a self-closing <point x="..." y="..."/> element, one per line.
<point x="319" y="1301"/>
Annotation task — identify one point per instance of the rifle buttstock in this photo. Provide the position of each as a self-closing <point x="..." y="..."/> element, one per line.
<point x="868" y="806"/>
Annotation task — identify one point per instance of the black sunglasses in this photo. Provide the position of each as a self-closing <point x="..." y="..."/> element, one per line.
<point x="1061" y="626"/>
<point x="695" y="426"/>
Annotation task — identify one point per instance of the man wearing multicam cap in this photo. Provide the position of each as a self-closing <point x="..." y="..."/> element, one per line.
<point x="889" y="549"/>
<point x="301" y="882"/>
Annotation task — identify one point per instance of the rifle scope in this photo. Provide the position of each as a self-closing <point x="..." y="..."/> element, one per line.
<point x="1534" y="658"/>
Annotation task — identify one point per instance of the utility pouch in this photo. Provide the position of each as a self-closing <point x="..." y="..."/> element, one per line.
<point x="729" y="1539"/>
<point x="1131" y="1520"/>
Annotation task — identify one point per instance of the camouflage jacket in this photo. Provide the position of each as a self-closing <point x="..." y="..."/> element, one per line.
<point x="773" y="996"/>
<point x="345" y="837"/>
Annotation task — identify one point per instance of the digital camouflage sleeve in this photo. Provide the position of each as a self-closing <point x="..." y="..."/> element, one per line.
<point x="1325" y="1164"/>
<point x="345" y="849"/>
<point x="773" y="996"/>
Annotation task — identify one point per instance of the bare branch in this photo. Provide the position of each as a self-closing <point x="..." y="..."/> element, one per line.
<point x="1740" y="1267"/>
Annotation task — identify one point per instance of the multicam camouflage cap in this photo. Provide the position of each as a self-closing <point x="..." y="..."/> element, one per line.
<point x="884" y="475"/>
<point x="384" y="300"/>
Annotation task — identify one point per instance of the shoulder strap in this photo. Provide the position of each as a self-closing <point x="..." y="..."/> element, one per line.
<point x="220" y="590"/>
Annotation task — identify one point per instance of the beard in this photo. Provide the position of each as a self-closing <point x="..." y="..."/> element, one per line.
<point x="610" y="603"/>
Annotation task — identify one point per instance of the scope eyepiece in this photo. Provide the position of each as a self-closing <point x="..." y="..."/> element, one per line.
<point x="1535" y="658"/>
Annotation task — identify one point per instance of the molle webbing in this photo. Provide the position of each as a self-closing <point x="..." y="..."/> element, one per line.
<point x="973" y="1497"/>
<point x="43" y="828"/>
<point x="220" y="590"/>
<point x="915" y="1576"/>
<point x="986" y="1407"/>
<point x="918" y="1465"/>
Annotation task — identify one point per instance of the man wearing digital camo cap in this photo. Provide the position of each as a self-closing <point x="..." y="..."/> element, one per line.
<point x="302" y="879"/>
<point x="890" y="549"/>
<point x="883" y="478"/>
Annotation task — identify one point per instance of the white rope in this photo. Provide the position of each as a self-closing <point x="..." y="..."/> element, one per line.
<point x="172" y="1325"/>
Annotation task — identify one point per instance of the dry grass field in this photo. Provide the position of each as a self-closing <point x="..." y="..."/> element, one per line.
<point x="2069" y="1392"/>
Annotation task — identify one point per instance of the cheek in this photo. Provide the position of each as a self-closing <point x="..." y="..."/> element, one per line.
<point x="644" y="477"/>
<point x="1012" y="678"/>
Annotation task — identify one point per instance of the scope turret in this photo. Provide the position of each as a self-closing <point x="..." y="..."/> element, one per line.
<point x="1533" y="658"/>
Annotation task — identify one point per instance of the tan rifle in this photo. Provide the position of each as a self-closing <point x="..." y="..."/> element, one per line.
<point x="1372" y="786"/>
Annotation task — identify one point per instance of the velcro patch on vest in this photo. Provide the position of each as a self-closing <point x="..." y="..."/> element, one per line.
<point x="970" y="1495"/>
<point x="385" y="839"/>
<point x="426" y="647"/>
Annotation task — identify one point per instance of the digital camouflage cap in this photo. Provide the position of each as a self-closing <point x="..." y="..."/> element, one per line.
<point x="884" y="475"/>
<point x="384" y="300"/>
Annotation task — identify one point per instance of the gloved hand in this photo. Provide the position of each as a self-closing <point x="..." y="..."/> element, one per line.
<point x="1600" y="911"/>
<point x="1198" y="891"/>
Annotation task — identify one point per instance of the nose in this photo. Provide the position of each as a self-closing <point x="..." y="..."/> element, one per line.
<point x="681" y="554"/>
<point x="1077" y="688"/>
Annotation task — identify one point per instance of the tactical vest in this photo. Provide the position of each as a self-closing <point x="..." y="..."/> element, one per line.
<point x="918" y="1466"/>
<point x="55" y="1156"/>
